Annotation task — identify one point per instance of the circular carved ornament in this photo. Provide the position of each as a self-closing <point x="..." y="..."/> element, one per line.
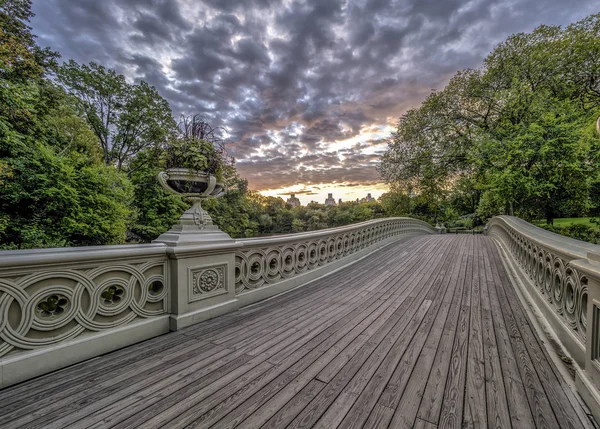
<point x="208" y="281"/>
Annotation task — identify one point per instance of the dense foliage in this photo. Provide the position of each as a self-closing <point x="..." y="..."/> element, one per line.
<point x="80" y="149"/>
<point x="515" y="136"/>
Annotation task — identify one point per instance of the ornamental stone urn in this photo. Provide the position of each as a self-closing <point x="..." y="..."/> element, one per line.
<point x="195" y="225"/>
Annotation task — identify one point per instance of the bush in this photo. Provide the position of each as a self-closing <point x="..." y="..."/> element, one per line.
<point x="576" y="231"/>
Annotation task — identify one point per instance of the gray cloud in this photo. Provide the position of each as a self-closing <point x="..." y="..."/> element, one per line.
<point x="290" y="80"/>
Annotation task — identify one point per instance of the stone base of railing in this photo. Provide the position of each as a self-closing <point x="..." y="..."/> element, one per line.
<point x="28" y="364"/>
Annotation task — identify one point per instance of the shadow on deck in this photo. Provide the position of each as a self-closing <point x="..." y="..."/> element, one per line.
<point x="424" y="333"/>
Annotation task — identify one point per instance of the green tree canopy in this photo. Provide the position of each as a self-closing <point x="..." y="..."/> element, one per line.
<point x="512" y="136"/>
<point x="126" y="118"/>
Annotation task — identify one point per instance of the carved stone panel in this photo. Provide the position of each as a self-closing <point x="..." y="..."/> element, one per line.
<point x="207" y="281"/>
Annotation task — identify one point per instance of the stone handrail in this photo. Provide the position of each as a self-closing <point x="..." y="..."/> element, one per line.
<point x="562" y="277"/>
<point x="62" y="306"/>
<point x="266" y="261"/>
<point x="50" y="297"/>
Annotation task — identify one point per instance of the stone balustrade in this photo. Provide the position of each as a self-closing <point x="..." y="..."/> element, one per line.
<point x="62" y="306"/>
<point x="278" y="263"/>
<point x="52" y="301"/>
<point x="562" y="277"/>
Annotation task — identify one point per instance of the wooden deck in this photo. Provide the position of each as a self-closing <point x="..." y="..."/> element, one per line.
<point x="426" y="333"/>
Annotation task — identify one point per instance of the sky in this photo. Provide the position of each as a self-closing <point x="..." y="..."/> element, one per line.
<point x="306" y="91"/>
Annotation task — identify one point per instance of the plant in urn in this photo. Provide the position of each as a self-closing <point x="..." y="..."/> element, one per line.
<point x="194" y="170"/>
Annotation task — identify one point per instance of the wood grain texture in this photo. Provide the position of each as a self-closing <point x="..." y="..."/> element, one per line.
<point x="426" y="333"/>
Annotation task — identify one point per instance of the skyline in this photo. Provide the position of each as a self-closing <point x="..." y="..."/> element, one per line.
<point x="308" y="91"/>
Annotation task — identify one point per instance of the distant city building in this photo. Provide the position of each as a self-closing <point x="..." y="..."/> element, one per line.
<point x="293" y="201"/>
<point x="367" y="199"/>
<point x="330" y="201"/>
<point x="340" y="202"/>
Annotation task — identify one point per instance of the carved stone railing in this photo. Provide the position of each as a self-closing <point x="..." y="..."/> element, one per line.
<point x="264" y="262"/>
<point x="562" y="277"/>
<point x="62" y="306"/>
<point x="51" y="297"/>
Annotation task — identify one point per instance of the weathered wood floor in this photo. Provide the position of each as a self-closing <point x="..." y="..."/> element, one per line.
<point x="426" y="333"/>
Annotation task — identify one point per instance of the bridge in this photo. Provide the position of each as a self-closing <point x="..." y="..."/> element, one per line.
<point x="384" y="324"/>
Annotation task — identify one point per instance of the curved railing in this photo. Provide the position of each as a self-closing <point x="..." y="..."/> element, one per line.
<point x="266" y="261"/>
<point x="546" y="259"/>
<point x="562" y="277"/>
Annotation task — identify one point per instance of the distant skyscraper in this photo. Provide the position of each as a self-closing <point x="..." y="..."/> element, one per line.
<point x="330" y="201"/>
<point x="340" y="202"/>
<point x="293" y="201"/>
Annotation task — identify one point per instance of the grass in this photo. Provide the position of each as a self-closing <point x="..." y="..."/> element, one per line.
<point x="566" y="221"/>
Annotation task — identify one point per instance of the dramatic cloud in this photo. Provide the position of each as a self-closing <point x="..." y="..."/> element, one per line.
<point x="307" y="90"/>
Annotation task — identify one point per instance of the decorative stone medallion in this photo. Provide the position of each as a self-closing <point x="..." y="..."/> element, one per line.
<point x="207" y="281"/>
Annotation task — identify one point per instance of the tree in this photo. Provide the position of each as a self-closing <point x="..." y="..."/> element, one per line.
<point x="540" y="168"/>
<point x="395" y="203"/>
<point x="126" y="118"/>
<point x="508" y="137"/>
<point x="20" y="57"/>
<point x="55" y="189"/>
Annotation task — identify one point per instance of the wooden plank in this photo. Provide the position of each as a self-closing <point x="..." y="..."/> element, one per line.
<point x="177" y="377"/>
<point x="336" y="347"/>
<point x="405" y="415"/>
<point x="404" y="275"/>
<point x="475" y="414"/>
<point x="389" y="356"/>
<point x="519" y="409"/>
<point x="358" y="414"/>
<point x="432" y="400"/>
<point x="282" y="304"/>
<point x="342" y="378"/>
<point x="176" y="354"/>
<point x="452" y="404"/>
<point x="70" y="406"/>
<point x="165" y="411"/>
<point x="67" y="383"/>
<point x="71" y="376"/>
<point x="335" y="366"/>
<point x="404" y="388"/>
<point x="333" y="288"/>
<point x="520" y="380"/>
<point x="288" y="412"/>
<point x="422" y="424"/>
<point x="379" y="417"/>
